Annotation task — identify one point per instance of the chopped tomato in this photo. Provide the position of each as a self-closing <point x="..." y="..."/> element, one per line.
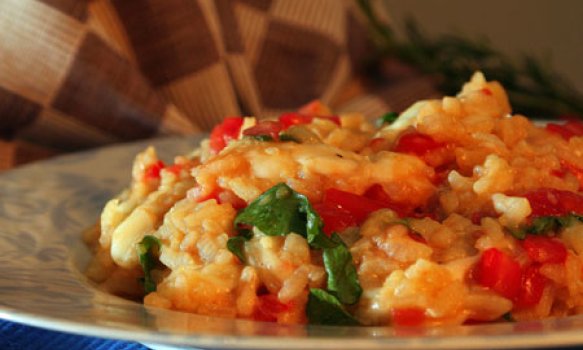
<point x="417" y="237"/>
<point x="499" y="272"/>
<point x="358" y="206"/>
<point x="531" y="287"/>
<point x="487" y="91"/>
<point x="223" y="133"/>
<point x="408" y="316"/>
<point x="269" y="128"/>
<point x="578" y="172"/>
<point x="436" y="154"/>
<point x="335" y="218"/>
<point x="315" y="108"/>
<point x="152" y="172"/>
<point x="543" y="250"/>
<point x="291" y="119"/>
<point x="553" y="202"/>
<point x="268" y="307"/>
<point x="417" y="144"/>
<point x="174" y="168"/>
<point x="378" y="194"/>
<point x="378" y="143"/>
<point x="571" y="128"/>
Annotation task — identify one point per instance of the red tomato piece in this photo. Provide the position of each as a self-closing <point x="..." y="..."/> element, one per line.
<point x="408" y="316"/>
<point x="174" y="168"/>
<point x="378" y="194"/>
<point x="223" y="133"/>
<point x="268" y="307"/>
<point x="499" y="272"/>
<point x="560" y="130"/>
<point x="291" y="119"/>
<point x="152" y="172"/>
<point x="571" y="128"/>
<point x="487" y="91"/>
<point x="315" y="108"/>
<point x="335" y="218"/>
<point x="417" y="144"/>
<point x="578" y="172"/>
<point x="269" y="128"/>
<point x="417" y="237"/>
<point x="532" y="287"/>
<point x="543" y="250"/>
<point x="358" y="206"/>
<point x="553" y="202"/>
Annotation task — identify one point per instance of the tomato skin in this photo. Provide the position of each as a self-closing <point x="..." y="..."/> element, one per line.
<point x="335" y="218"/>
<point x="268" y="307"/>
<point x="293" y="118"/>
<point x="553" y="202"/>
<point x="269" y="128"/>
<point x="531" y="288"/>
<point x="358" y="206"/>
<point x="417" y="144"/>
<point x="377" y="193"/>
<point x="499" y="272"/>
<point x="578" y="172"/>
<point x="223" y="133"/>
<point x="571" y="128"/>
<point x="544" y="250"/>
<point x="152" y="172"/>
<point x="315" y="108"/>
<point x="408" y="316"/>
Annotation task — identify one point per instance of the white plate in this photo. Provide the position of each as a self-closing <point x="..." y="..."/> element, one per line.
<point x="44" y="208"/>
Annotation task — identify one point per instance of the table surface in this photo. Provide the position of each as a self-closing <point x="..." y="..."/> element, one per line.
<point x="14" y="336"/>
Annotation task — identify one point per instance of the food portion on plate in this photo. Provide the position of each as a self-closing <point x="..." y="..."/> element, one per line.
<point x="453" y="212"/>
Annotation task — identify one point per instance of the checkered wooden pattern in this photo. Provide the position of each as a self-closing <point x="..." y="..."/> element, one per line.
<point x="81" y="73"/>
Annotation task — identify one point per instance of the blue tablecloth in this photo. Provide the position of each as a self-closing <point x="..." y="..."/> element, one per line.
<point x="14" y="336"/>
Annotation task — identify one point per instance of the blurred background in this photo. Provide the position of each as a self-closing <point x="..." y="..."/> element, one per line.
<point x="550" y="29"/>
<point x="77" y="74"/>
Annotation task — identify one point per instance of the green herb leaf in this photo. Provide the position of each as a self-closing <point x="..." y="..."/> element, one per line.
<point x="387" y="118"/>
<point x="236" y="245"/>
<point x="260" y="137"/>
<point x="276" y="212"/>
<point x="323" y="308"/>
<point x="148" y="250"/>
<point x="546" y="224"/>
<point x="508" y="317"/>
<point x="280" y="211"/>
<point x="342" y="276"/>
<point x="288" y="137"/>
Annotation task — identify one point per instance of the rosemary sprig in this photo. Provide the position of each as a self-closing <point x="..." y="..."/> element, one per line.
<point x="533" y="87"/>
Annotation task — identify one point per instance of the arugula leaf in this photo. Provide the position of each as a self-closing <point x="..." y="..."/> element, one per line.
<point x="508" y="317"/>
<point x="281" y="210"/>
<point x="236" y="245"/>
<point x="288" y="137"/>
<point x="342" y="276"/>
<point x="148" y="248"/>
<point x="323" y="308"/>
<point x="260" y="137"/>
<point x="545" y="224"/>
<point x="387" y="118"/>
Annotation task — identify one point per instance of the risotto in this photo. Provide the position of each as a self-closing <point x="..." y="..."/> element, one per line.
<point x="455" y="211"/>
